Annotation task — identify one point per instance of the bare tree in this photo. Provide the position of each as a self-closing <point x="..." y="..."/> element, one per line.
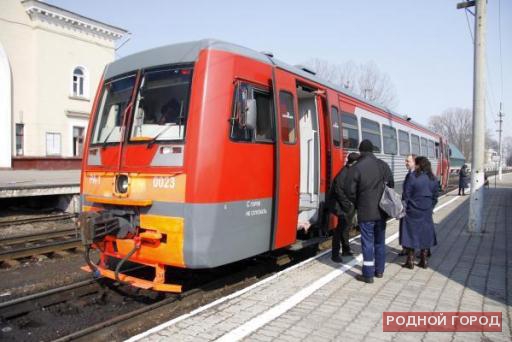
<point x="376" y="86"/>
<point x="457" y="125"/>
<point x="363" y="79"/>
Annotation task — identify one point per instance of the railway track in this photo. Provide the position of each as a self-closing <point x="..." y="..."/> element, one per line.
<point x="23" y="246"/>
<point x="36" y="219"/>
<point x="91" y="310"/>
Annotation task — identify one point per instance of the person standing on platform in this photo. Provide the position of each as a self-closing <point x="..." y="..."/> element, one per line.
<point x="343" y="210"/>
<point x="421" y="194"/>
<point x="364" y="186"/>
<point x="463" y="179"/>
<point x="410" y="166"/>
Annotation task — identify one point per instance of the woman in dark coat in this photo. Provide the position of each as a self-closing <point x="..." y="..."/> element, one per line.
<point x="420" y="196"/>
<point x="463" y="179"/>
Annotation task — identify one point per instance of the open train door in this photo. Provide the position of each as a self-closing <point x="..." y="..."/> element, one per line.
<point x="287" y="163"/>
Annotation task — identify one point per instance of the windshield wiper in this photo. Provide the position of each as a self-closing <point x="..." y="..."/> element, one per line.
<point x="153" y="141"/>
<point x="104" y="143"/>
<point x="166" y="128"/>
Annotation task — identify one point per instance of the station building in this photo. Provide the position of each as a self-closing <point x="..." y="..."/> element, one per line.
<point x="51" y="61"/>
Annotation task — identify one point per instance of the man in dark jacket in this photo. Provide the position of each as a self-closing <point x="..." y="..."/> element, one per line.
<point x="342" y="207"/>
<point x="364" y="186"/>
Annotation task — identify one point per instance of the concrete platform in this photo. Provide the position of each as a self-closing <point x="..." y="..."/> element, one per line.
<point x="26" y="183"/>
<point x="318" y="300"/>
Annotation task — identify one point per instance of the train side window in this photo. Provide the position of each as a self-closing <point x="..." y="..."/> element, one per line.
<point x="264" y="122"/>
<point x="403" y="143"/>
<point x="415" y="145"/>
<point x="264" y="115"/>
<point x="335" y="127"/>
<point x="287" y="117"/>
<point x="424" y="147"/>
<point x="431" y="149"/>
<point x="350" y="130"/>
<point x="390" y="143"/>
<point x="371" y="130"/>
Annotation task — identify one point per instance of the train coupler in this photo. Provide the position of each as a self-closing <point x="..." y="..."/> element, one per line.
<point x="95" y="226"/>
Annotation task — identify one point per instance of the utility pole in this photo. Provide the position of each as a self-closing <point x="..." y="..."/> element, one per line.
<point x="477" y="163"/>
<point x="500" y="146"/>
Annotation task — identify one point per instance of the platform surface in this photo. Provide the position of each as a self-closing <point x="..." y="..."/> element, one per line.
<point x="321" y="301"/>
<point x="21" y="183"/>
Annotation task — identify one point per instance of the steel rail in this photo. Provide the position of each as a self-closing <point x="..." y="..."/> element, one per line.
<point x="39" y="236"/>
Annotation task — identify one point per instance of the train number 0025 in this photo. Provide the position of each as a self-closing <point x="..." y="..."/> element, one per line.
<point x="164" y="182"/>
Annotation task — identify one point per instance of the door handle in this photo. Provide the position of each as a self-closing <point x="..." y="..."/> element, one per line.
<point x="297" y="189"/>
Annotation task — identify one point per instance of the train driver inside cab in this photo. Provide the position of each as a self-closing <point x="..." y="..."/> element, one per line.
<point x="170" y="113"/>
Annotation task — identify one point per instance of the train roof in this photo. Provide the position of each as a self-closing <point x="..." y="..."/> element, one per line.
<point x="188" y="52"/>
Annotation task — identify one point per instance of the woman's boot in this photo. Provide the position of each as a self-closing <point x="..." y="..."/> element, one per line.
<point x="409" y="262"/>
<point x="423" y="259"/>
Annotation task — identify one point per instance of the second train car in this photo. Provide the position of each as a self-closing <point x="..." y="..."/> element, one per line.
<point x="204" y="153"/>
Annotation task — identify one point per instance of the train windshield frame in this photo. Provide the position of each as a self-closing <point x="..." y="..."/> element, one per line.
<point x="161" y="105"/>
<point x="115" y="99"/>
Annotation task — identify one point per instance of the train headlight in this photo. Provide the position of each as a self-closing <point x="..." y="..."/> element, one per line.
<point x="122" y="184"/>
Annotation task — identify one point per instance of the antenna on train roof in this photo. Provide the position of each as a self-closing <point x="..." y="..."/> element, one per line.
<point x="268" y="54"/>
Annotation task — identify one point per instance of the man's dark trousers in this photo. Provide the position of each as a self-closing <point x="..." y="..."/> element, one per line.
<point x="373" y="241"/>
<point x="340" y="236"/>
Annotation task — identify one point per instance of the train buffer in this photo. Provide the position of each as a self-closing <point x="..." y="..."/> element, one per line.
<point x="318" y="300"/>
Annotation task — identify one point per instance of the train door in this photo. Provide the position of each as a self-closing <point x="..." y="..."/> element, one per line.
<point x="286" y="196"/>
<point x="309" y="200"/>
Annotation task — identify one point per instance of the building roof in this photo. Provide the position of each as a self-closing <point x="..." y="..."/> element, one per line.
<point x="188" y="52"/>
<point x="54" y="12"/>
<point x="456" y="153"/>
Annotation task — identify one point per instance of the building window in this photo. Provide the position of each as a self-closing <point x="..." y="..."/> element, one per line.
<point x="403" y="139"/>
<point x="287" y="115"/>
<point x="264" y="130"/>
<point x="19" y="139"/>
<point x="415" y="145"/>
<point x="53" y="144"/>
<point x="371" y="130"/>
<point x="350" y="131"/>
<point x="335" y="127"/>
<point x="78" y="141"/>
<point x="390" y="144"/>
<point x="79" y="86"/>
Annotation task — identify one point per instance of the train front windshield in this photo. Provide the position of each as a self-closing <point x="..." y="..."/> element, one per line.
<point x="161" y="105"/>
<point x="159" y="109"/>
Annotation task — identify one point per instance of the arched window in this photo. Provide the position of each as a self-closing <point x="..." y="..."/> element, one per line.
<point x="78" y="82"/>
<point x="79" y="86"/>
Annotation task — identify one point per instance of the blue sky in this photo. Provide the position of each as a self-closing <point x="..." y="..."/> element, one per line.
<point x="425" y="47"/>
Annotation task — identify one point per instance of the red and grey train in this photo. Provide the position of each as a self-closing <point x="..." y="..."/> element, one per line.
<point x="204" y="153"/>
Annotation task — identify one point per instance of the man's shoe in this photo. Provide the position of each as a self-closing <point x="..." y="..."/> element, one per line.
<point x="347" y="253"/>
<point x="368" y="280"/>
<point x="337" y="259"/>
<point x="379" y="275"/>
